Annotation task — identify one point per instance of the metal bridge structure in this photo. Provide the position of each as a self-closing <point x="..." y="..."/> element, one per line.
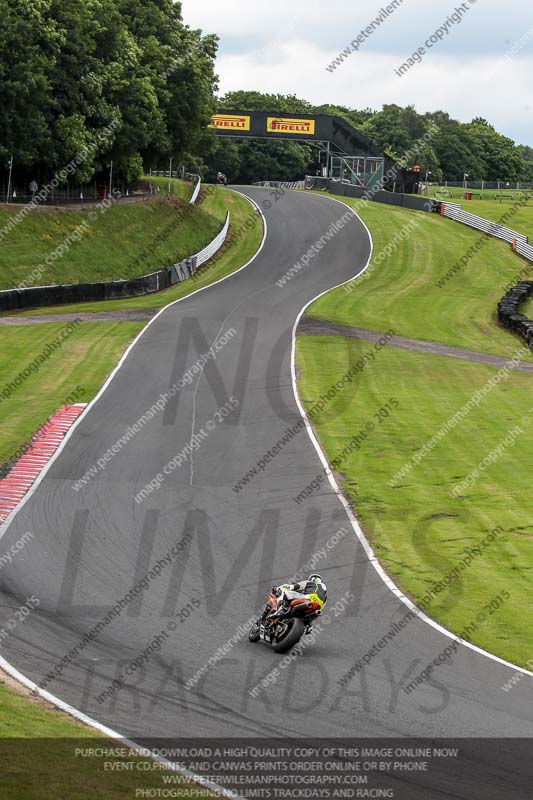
<point x="345" y="154"/>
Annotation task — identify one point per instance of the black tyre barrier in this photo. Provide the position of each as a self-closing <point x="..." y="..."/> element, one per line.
<point x="39" y="296"/>
<point x="509" y="312"/>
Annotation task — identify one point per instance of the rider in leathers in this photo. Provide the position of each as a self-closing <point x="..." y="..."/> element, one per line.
<point x="314" y="589"/>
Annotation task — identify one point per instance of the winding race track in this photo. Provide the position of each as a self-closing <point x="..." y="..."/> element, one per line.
<point x="93" y="545"/>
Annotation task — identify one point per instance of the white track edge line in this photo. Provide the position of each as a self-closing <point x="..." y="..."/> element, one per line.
<point x="108" y="732"/>
<point x="351" y="516"/>
<point x="9" y="520"/>
<point x="5" y="665"/>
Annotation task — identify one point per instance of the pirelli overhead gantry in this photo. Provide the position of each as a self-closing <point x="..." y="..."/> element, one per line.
<point x="345" y="153"/>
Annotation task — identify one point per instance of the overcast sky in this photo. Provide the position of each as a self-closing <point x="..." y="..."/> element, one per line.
<point x="285" y="46"/>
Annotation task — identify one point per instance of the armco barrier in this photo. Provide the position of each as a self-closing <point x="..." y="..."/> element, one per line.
<point x="196" y="191"/>
<point x="509" y="312"/>
<point x="35" y="297"/>
<point x="454" y="211"/>
<point x="340" y="189"/>
<point x="509" y="307"/>
<point x="281" y="184"/>
<point x="524" y="249"/>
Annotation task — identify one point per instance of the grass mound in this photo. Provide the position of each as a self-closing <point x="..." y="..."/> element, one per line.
<point x="123" y="241"/>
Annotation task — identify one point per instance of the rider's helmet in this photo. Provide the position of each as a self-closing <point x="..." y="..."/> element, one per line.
<point x="316" y="577"/>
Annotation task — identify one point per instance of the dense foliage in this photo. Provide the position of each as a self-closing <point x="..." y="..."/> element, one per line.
<point x="475" y="148"/>
<point x="121" y="80"/>
<point x="87" y="82"/>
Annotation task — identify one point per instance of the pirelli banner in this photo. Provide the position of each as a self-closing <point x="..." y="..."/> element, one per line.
<point x="293" y="127"/>
<point x="265" y="125"/>
<point x="324" y="128"/>
<point x="234" y="124"/>
<point x="230" y="122"/>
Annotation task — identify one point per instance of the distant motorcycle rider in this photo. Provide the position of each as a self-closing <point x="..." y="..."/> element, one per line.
<point x="313" y="589"/>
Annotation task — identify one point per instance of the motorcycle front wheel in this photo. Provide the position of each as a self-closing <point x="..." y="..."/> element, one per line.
<point x="253" y="634"/>
<point x="290" y="636"/>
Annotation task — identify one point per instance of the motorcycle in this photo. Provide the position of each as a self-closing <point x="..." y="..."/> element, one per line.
<point x="284" y="631"/>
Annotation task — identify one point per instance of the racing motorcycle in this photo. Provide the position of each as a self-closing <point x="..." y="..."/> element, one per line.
<point x="284" y="630"/>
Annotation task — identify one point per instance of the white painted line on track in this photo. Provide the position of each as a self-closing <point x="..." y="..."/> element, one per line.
<point x="351" y="516"/>
<point x="5" y="665"/>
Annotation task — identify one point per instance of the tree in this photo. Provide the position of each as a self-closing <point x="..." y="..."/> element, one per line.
<point x="455" y="150"/>
<point x="70" y="69"/>
<point x="527" y="157"/>
<point x="256" y="101"/>
<point x="29" y="45"/>
<point x="501" y="157"/>
<point x="251" y="160"/>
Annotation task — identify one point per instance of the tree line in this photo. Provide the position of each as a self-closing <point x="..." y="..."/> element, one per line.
<point x="113" y="80"/>
<point x="84" y="83"/>
<point x="475" y="148"/>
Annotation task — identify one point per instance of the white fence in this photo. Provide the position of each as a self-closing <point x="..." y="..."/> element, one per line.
<point x="524" y="249"/>
<point x="501" y="185"/>
<point x="454" y="211"/>
<point x="209" y="251"/>
<point x="186" y="268"/>
<point x="196" y="191"/>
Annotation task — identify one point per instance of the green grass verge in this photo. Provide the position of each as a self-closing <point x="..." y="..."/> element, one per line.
<point x="457" y="193"/>
<point x="40" y="763"/>
<point x="14" y="721"/>
<point x="401" y="291"/>
<point x="527" y="308"/>
<point x="488" y="207"/>
<point x="78" y="367"/>
<point x="178" y="188"/>
<point x="241" y="245"/>
<point x="83" y="361"/>
<point x="419" y="530"/>
<point x="123" y="241"/>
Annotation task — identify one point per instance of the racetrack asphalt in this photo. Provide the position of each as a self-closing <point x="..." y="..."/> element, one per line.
<point x="90" y="547"/>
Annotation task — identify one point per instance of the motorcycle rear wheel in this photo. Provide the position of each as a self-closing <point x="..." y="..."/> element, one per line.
<point x="291" y="637"/>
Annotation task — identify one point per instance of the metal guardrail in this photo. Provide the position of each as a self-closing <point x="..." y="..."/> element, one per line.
<point x="37" y="296"/>
<point x="509" y="307"/>
<point x="209" y="251"/>
<point x="525" y="250"/>
<point x="186" y="268"/>
<point x="196" y="191"/>
<point x="281" y="184"/>
<point x="454" y="211"/>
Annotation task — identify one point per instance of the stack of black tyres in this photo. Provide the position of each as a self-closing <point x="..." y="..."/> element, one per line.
<point x="509" y="312"/>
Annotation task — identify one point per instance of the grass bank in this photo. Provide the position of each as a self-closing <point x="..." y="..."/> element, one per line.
<point x="40" y="763"/>
<point x="178" y="188"/>
<point x="82" y="357"/>
<point x="77" y="368"/>
<point x="418" y="286"/>
<point x="245" y="234"/>
<point x="420" y="525"/>
<point x="123" y="241"/>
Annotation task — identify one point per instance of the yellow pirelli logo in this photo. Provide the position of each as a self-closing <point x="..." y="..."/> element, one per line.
<point x="285" y="125"/>
<point x="231" y="122"/>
